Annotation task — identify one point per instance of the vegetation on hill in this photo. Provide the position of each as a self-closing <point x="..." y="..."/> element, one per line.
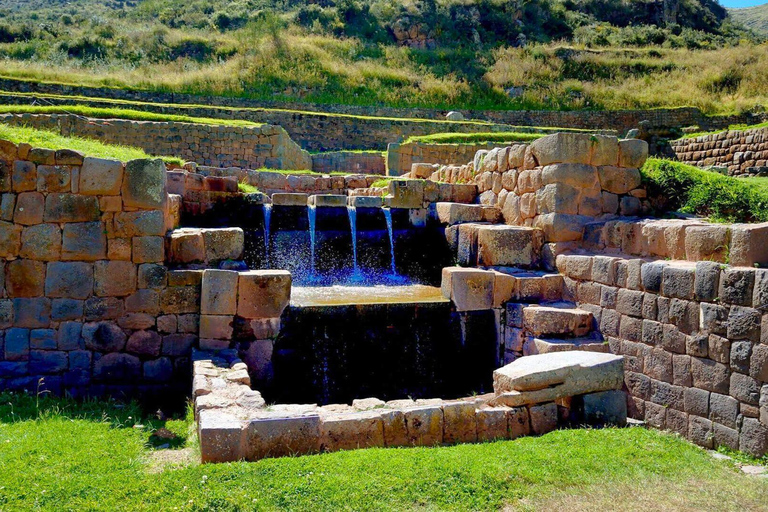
<point x="59" y="454"/>
<point x="474" y="138"/>
<point x="754" y="18"/>
<point x="553" y="54"/>
<point x="692" y="190"/>
<point x="89" y="147"/>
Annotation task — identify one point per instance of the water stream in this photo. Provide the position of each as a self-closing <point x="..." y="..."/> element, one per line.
<point x="388" y="217"/>
<point x="352" y="212"/>
<point x="312" y="212"/>
<point x="267" y="220"/>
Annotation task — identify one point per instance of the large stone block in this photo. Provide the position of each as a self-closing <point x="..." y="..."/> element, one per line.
<point x="216" y="327"/>
<point x="219" y="292"/>
<point x="41" y="242"/>
<point x="100" y="177"/>
<point x="263" y="293"/>
<point x="71" y="208"/>
<point x="103" y="337"/>
<point x="223" y="243"/>
<point x="562" y="148"/>
<point x="117" y="368"/>
<point x="52" y="178"/>
<point x="753" y="438"/>
<point x="558" y="227"/>
<point x="557" y="198"/>
<point x="144" y="343"/>
<point x="456" y="213"/>
<point x="710" y="375"/>
<point x="114" y="278"/>
<point x="144" y="184"/>
<point x="32" y="313"/>
<point x="73" y="280"/>
<point x="632" y="153"/>
<point x="470" y="289"/>
<point x="140" y="223"/>
<point x="736" y="286"/>
<point x="460" y="422"/>
<point x="24" y="176"/>
<point x="424" y="425"/>
<point x="618" y="180"/>
<point x="406" y="194"/>
<point x="508" y="246"/>
<point x="29" y="208"/>
<point x="707" y="243"/>
<point x="351" y="431"/>
<point x="24" y="278"/>
<point x="148" y="249"/>
<point x="84" y="241"/>
<point x="187" y="246"/>
<point x="492" y="423"/>
<point x="277" y="435"/>
<point x="547" y="377"/>
<point x="575" y="175"/>
<point x="543" y="418"/>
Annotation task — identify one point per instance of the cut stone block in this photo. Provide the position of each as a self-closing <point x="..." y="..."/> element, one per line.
<point x="562" y="147"/>
<point x="395" y="431"/>
<point x="469" y="289"/>
<point x="460" y="422"/>
<point x="606" y="407"/>
<point x="328" y="200"/>
<point x="632" y="153"/>
<point x="289" y="199"/>
<point x="546" y="377"/>
<point x="351" y="431"/>
<point x="543" y="418"/>
<point x="187" y="246"/>
<point x="144" y="184"/>
<point x="508" y="246"/>
<point x="457" y="213"/>
<point x="533" y="346"/>
<point x="406" y="194"/>
<point x="223" y="243"/>
<point x="492" y="423"/>
<point x="541" y="320"/>
<point x="278" y="435"/>
<point x="100" y="177"/>
<point x="424" y="425"/>
<point x="263" y="293"/>
<point x="220" y="436"/>
<point x="218" y="294"/>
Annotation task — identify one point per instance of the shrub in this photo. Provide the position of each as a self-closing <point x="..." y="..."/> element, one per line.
<point x="675" y="186"/>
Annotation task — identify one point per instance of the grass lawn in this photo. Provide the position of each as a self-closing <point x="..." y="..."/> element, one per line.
<point x="90" y="147"/>
<point x="475" y="138"/>
<point x="60" y="455"/>
<point x="120" y="113"/>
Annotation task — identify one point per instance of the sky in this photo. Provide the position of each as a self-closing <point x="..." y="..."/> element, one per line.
<point x="740" y="3"/>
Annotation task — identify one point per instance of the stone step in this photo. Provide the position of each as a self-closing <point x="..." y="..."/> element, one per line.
<point x="592" y="343"/>
<point x="528" y="286"/>
<point x="459" y="213"/>
<point x="486" y="244"/>
<point x="557" y="319"/>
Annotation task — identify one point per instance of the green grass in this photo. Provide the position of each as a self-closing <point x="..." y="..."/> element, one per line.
<point x="710" y="194"/>
<point x="89" y="147"/>
<point x="119" y="113"/>
<point x="58" y="455"/>
<point x="474" y="138"/>
<point x="245" y="188"/>
<point x="732" y="127"/>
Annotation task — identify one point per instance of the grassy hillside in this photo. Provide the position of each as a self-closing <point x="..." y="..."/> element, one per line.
<point x="554" y="54"/>
<point x="754" y="18"/>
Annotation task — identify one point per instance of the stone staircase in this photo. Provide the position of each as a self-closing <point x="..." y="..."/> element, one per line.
<point x="500" y="269"/>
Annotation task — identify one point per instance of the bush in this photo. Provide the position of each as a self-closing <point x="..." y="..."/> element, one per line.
<point x="675" y="186"/>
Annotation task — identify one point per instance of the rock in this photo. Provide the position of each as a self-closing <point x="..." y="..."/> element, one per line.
<point x="454" y="116"/>
<point x="508" y="246"/>
<point x="223" y="243"/>
<point x="144" y="184"/>
<point x="470" y="289"/>
<point x="220" y="436"/>
<point x="552" y="320"/>
<point x="277" y="435"/>
<point x="606" y="407"/>
<point x="72" y="280"/>
<point x="219" y="292"/>
<point x="492" y="423"/>
<point x="84" y="241"/>
<point x="562" y="148"/>
<point x="545" y="377"/>
<point x="100" y="177"/>
<point x="618" y="180"/>
<point x="632" y="153"/>
<point x="424" y="425"/>
<point x="460" y="422"/>
<point x="543" y="418"/>
<point x="187" y="246"/>
<point x="351" y="431"/>
<point x="103" y="337"/>
<point x="456" y="213"/>
<point x="263" y="293"/>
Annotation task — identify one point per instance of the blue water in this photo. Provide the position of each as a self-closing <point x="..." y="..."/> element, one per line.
<point x="267" y="220"/>
<point x="388" y="217"/>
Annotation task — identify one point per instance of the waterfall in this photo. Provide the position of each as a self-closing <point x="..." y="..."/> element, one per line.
<point x="312" y="212"/>
<point x="352" y="211"/>
<point x="388" y="217"/>
<point x="267" y="219"/>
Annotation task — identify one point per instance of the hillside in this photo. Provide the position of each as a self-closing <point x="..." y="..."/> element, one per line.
<point x="754" y="18"/>
<point x="551" y="54"/>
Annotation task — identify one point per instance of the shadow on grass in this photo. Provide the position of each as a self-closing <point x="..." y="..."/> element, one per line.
<point x="161" y="431"/>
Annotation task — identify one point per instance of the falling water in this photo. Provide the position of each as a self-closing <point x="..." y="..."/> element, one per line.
<point x="388" y="217"/>
<point x="267" y="218"/>
<point x="312" y="212"/>
<point x="352" y="211"/>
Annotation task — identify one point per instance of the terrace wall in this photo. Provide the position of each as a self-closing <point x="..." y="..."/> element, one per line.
<point x="620" y="121"/>
<point x="742" y="152"/>
<point x="400" y="157"/>
<point x="217" y="145"/>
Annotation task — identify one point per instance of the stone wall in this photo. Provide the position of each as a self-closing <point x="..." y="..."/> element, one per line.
<point x="400" y="157"/>
<point x="351" y="162"/>
<point x="742" y="152"/>
<point x="695" y="341"/>
<point x="87" y="304"/>
<point x="587" y="119"/>
<point x="217" y="145"/>
<point x="559" y="183"/>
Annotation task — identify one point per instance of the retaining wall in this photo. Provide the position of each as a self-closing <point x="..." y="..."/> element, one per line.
<point x="217" y="145"/>
<point x="742" y="152"/>
<point x="695" y="341"/>
<point x="349" y="161"/>
<point x="621" y="120"/>
<point x="400" y="157"/>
